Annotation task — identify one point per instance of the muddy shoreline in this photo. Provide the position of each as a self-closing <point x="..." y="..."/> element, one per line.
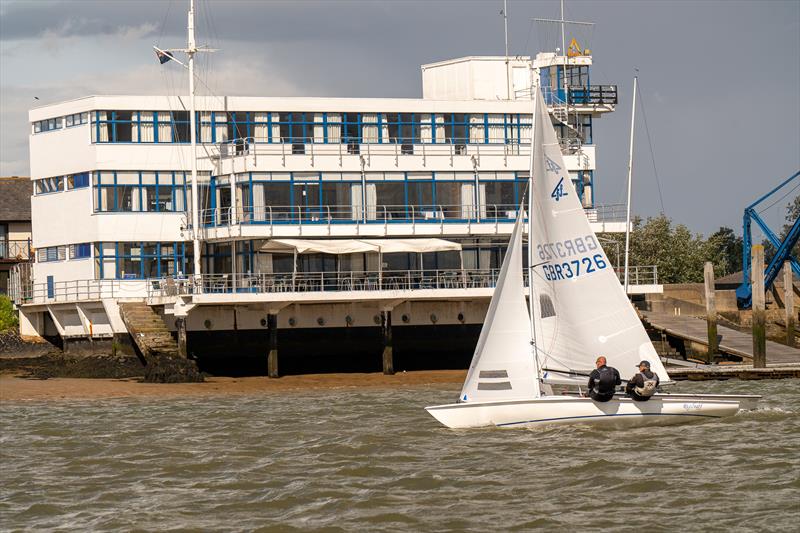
<point x="37" y="370"/>
<point x="15" y="388"/>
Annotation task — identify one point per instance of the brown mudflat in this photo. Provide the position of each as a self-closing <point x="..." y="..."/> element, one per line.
<point x="17" y="388"/>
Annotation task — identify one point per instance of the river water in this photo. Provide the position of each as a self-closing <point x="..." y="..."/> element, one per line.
<point x="374" y="460"/>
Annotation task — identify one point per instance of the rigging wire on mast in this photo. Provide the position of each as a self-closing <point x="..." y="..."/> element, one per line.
<point x="652" y="153"/>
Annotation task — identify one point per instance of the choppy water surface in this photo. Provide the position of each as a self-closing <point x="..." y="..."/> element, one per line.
<point x="374" y="460"/>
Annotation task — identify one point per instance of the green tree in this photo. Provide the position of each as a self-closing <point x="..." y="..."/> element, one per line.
<point x="677" y="253"/>
<point x="724" y="249"/>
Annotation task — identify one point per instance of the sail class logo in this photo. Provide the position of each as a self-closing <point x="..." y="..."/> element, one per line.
<point x="559" y="191"/>
<point x="551" y="165"/>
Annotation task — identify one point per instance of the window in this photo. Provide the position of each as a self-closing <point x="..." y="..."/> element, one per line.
<point x="48" y="125"/>
<point x="162" y="191"/>
<point x="80" y="251"/>
<point x="48" y="185"/>
<point x="51" y="253"/>
<point x="455" y="128"/>
<point x="77" y="181"/>
<point x="76" y="119"/>
<point x="140" y="260"/>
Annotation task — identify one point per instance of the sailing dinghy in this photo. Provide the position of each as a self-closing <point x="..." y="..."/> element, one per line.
<point x="576" y="312"/>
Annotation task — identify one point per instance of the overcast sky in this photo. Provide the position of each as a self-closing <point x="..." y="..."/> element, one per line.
<point x="720" y="81"/>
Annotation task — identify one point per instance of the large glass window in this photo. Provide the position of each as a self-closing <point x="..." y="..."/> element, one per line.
<point x="162" y="191"/>
<point x="391" y="199"/>
<point x="420" y="195"/>
<point x="139" y="260"/>
<point x="455" y="130"/>
<point x="448" y="198"/>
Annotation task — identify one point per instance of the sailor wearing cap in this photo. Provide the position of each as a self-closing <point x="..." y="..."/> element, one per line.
<point x="642" y="385"/>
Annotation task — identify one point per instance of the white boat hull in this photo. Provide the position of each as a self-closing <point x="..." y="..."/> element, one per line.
<point x="558" y="410"/>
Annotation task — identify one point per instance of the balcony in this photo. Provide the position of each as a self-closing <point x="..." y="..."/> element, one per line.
<point x="593" y="95"/>
<point x="15" y="251"/>
<point x="385" y="215"/>
<point x="467" y="151"/>
<point x="289" y="285"/>
<point x="587" y="95"/>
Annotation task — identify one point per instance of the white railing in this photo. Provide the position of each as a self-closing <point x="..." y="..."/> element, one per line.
<point x="382" y="214"/>
<point x="316" y="147"/>
<point x="639" y="275"/>
<point x="80" y="290"/>
<point x="386" y="280"/>
<point x="267" y="283"/>
<point x="606" y="213"/>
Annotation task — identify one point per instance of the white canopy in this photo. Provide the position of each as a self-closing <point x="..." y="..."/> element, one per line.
<point x="351" y="246"/>
<point x="328" y="246"/>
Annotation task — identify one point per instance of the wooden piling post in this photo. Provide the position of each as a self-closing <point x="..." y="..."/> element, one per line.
<point x="272" y="355"/>
<point x="180" y="323"/>
<point x="759" y="307"/>
<point x="788" y="302"/>
<point x="388" y="350"/>
<point x="711" y="310"/>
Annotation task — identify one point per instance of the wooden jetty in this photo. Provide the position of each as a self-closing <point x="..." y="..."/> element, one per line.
<point x="782" y="361"/>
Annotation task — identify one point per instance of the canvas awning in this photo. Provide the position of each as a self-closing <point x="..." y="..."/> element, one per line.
<point x="388" y="246"/>
<point x="352" y="246"/>
<point x="312" y="246"/>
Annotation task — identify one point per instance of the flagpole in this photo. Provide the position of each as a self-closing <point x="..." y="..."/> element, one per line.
<point x="191" y="49"/>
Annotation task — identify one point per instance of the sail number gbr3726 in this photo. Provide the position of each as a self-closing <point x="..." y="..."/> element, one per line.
<point x="571" y="258"/>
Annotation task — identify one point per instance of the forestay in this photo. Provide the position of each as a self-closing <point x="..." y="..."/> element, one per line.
<point x="502" y="366"/>
<point x="581" y="309"/>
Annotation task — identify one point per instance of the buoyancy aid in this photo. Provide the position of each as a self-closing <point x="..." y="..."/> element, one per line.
<point x="649" y="385"/>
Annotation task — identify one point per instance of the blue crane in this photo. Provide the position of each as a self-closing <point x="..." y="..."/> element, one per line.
<point x="784" y="248"/>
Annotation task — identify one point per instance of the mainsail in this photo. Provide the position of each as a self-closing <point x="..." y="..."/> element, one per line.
<point x="581" y="310"/>
<point x="502" y="366"/>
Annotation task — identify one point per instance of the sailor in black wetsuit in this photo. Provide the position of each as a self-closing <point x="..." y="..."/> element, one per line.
<point x="643" y="385"/>
<point x="602" y="381"/>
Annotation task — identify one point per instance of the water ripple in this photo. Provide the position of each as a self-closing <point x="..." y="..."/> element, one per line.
<point x="373" y="460"/>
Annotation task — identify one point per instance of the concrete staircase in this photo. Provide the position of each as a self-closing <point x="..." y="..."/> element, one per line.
<point x="163" y="360"/>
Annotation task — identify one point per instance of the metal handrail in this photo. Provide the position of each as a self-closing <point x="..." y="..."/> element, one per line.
<point x="331" y="281"/>
<point x="639" y="275"/>
<point x="282" y="282"/>
<point x="15" y="249"/>
<point x="382" y="214"/>
<point x="331" y="214"/>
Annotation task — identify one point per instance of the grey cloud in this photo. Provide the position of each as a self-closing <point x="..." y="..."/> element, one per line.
<point x="719" y="79"/>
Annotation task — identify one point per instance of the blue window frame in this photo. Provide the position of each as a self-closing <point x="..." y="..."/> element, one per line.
<point x="140" y="260"/>
<point x="77" y="181"/>
<point x="49" y="185"/>
<point x="137" y="191"/>
<point x="80" y="251"/>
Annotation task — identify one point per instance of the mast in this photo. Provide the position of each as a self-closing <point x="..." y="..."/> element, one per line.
<point x="505" y="26"/>
<point x="534" y="347"/>
<point x="630" y="174"/>
<point x="190" y="51"/>
<point x="564" y="54"/>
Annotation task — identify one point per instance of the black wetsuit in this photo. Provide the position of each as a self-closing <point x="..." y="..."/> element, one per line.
<point x="602" y="382"/>
<point x="638" y="381"/>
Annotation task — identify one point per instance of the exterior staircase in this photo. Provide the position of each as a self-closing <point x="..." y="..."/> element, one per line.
<point x="163" y="360"/>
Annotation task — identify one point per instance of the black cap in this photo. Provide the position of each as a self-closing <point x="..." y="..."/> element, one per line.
<point x="645" y="363"/>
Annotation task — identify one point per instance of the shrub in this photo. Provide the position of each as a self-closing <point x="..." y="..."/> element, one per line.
<point x="8" y="317"/>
